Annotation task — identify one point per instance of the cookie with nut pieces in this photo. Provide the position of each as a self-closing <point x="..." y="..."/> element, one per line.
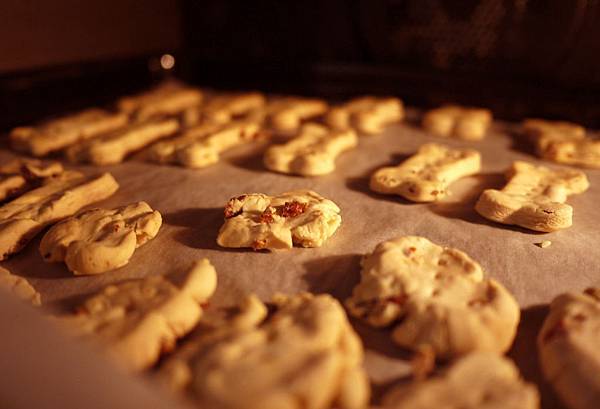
<point x="434" y="296"/>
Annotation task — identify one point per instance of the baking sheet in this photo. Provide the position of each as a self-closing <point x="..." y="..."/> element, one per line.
<point x="191" y="202"/>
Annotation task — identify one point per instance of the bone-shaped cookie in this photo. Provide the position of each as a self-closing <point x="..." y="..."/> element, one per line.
<point x="166" y="99"/>
<point x="563" y="142"/>
<point x="201" y="146"/>
<point x="301" y="217"/>
<point x="313" y="152"/>
<point x="287" y="114"/>
<point x="138" y="320"/>
<point x="305" y="354"/>
<point x="534" y="197"/>
<point x="568" y="348"/>
<point x="60" y="133"/>
<point x="20" y="175"/>
<point x="225" y="108"/>
<point x="114" y="147"/>
<point x="368" y="115"/>
<point x="477" y="381"/>
<point x="458" y="122"/>
<point x="426" y="176"/>
<point x="24" y="217"/>
<point x="19" y="286"/>
<point x="100" y="240"/>
<point x="434" y="296"/>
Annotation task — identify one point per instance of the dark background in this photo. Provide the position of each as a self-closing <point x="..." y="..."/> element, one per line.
<point x="518" y="57"/>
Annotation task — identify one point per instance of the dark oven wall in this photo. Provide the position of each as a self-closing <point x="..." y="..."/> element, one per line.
<point x="520" y="57"/>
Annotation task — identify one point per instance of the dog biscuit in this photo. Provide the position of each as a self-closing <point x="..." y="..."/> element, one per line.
<point x="301" y="217"/>
<point x="225" y="108"/>
<point x="24" y="217"/>
<point x="534" y="197"/>
<point x="20" y="287"/>
<point x="58" y="134"/>
<point x="165" y="100"/>
<point x="476" y="381"/>
<point x="20" y="175"/>
<point x="568" y="348"/>
<point x="435" y="297"/>
<point x="202" y="145"/>
<point x="114" y="148"/>
<point x="305" y="354"/>
<point x="368" y="115"/>
<point x="312" y="152"/>
<point x="100" y="240"/>
<point x="563" y="142"/>
<point x="452" y="121"/>
<point x="138" y="320"/>
<point x="426" y="176"/>
<point x="287" y="114"/>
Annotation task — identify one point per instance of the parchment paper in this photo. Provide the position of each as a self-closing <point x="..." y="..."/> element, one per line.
<point x="191" y="202"/>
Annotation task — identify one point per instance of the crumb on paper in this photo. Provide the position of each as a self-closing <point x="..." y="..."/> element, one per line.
<point x="544" y="244"/>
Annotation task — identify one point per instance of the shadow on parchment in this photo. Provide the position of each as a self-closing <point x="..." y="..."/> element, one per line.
<point x="525" y="354"/>
<point x="201" y="227"/>
<point x="361" y="184"/>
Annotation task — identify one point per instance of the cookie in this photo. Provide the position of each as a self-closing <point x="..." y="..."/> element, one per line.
<point x="202" y="145"/>
<point x="476" y="381"/>
<point x="287" y="114"/>
<point x="258" y="221"/>
<point x="60" y="133"/>
<point x="167" y="99"/>
<point x="534" y="197"/>
<point x="20" y="287"/>
<point x="426" y="176"/>
<point x="20" y="175"/>
<point x="434" y="296"/>
<point x="114" y="148"/>
<point x="368" y="115"/>
<point x="568" y="348"/>
<point x="138" y="320"/>
<point x="453" y="121"/>
<point x="24" y="217"/>
<point x="304" y="354"/>
<point x="100" y="240"/>
<point x="226" y="108"/>
<point x="563" y="142"/>
<point x="313" y="152"/>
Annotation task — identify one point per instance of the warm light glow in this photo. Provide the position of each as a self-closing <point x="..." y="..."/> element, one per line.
<point x="167" y="61"/>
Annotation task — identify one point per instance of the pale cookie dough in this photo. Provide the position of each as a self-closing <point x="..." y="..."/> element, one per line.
<point x="24" y="217"/>
<point x="60" y="133"/>
<point x="368" y="115"/>
<point x="435" y="297"/>
<point x="534" y="197"/>
<point x="138" y="320"/>
<point x="165" y="100"/>
<point x="225" y="108"/>
<point x="20" y="287"/>
<point x="287" y="114"/>
<point x="458" y="122"/>
<point x="312" y="152"/>
<point x="569" y="348"/>
<point x="563" y="142"/>
<point x="20" y="175"/>
<point x="426" y="176"/>
<point x="114" y="148"/>
<point x="202" y="145"/>
<point x="100" y="240"/>
<point x="305" y="355"/>
<point x="301" y="217"/>
<point x="476" y="381"/>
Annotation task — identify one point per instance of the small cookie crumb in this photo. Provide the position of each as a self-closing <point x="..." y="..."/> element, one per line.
<point x="544" y="244"/>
